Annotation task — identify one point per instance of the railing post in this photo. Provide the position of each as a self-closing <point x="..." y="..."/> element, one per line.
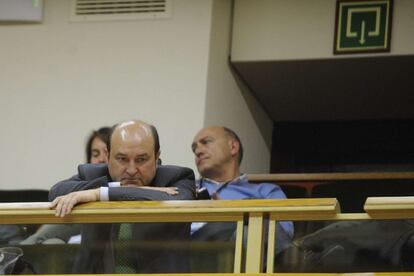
<point x="239" y="247"/>
<point x="271" y="246"/>
<point x="254" y="253"/>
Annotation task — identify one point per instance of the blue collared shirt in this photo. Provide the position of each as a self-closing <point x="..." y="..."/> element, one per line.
<point x="241" y="188"/>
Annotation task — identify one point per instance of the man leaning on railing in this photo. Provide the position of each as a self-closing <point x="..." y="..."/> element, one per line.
<point x="132" y="173"/>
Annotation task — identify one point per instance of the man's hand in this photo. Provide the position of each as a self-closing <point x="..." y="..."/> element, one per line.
<point x="64" y="204"/>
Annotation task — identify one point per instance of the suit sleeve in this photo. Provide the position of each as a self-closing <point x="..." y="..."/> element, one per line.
<point x="75" y="183"/>
<point x="183" y="179"/>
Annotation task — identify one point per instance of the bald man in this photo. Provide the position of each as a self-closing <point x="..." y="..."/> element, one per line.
<point x="131" y="174"/>
<point x="218" y="154"/>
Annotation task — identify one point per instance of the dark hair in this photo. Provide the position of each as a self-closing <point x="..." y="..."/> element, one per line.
<point x="233" y="135"/>
<point x="156" y="139"/>
<point x="154" y="133"/>
<point x="104" y="133"/>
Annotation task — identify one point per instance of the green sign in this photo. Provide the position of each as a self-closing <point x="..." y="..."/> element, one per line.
<point x="362" y="26"/>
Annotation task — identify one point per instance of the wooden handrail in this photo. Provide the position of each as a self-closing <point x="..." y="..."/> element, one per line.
<point x="211" y="210"/>
<point x="165" y="211"/>
<point x="261" y="274"/>
<point x="310" y="177"/>
<point x="181" y="211"/>
<point x="390" y="207"/>
<point x="308" y="181"/>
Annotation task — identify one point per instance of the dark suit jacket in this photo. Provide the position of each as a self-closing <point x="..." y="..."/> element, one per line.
<point x="384" y="237"/>
<point x="97" y="254"/>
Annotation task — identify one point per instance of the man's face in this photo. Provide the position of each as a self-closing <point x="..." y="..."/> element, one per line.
<point x="213" y="151"/>
<point x="132" y="159"/>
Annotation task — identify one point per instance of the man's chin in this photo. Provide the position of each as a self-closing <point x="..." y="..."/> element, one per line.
<point x="202" y="162"/>
<point x="131" y="183"/>
<point x="203" y="166"/>
<point x="205" y="171"/>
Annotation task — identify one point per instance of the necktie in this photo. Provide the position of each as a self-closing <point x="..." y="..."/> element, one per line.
<point x="125" y="232"/>
<point x="124" y="255"/>
<point x="215" y="195"/>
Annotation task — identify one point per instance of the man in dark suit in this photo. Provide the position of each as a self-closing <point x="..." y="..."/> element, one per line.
<point x="131" y="174"/>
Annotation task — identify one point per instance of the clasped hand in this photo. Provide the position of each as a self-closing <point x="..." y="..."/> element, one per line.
<point x="64" y="204"/>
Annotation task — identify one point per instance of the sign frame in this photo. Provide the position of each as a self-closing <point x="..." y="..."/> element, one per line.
<point x="348" y="39"/>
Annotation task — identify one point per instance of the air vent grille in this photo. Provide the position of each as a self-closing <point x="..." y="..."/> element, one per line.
<point x="90" y="10"/>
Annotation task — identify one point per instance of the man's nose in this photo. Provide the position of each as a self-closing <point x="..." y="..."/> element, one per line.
<point x="198" y="151"/>
<point x="131" y="169"/>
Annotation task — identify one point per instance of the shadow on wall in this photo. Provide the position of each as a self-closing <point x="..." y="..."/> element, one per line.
<point x="260" y="117"/>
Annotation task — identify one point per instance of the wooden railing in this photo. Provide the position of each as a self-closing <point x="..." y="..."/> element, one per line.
<point x="390" y="207"/>
<point x="311" y="177"/>
<point x="183" y="211"/>
<point x="253" y="211"/>
<point x="308" y="181"/>
<point x="270" y="274"/>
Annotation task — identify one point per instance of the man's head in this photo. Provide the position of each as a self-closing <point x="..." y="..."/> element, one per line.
<point x="218" y="153"/>
<point x="134" y="151"/>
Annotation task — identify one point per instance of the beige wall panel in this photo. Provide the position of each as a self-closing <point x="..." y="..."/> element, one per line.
<point x="60" y="79"/>
<point x="303" y="29"/>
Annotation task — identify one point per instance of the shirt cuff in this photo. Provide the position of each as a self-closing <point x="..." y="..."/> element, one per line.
<point x="104" y="194"/>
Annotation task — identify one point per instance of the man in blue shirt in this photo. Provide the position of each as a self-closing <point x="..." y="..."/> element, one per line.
<point x="218" y="154"/>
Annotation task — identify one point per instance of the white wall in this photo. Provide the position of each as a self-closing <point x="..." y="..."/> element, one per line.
<point x="229" y="103"/>
<point x="303" y="29"/>
<point x="59" y="80"/>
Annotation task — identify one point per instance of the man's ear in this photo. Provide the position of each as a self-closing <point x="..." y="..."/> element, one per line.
<point x="157" y="157"/>
<point x="234" y="147"/>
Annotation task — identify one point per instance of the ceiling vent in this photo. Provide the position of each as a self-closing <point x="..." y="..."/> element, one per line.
<point x="103" y="10"/>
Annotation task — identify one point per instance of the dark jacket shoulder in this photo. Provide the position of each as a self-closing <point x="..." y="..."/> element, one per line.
<point x="165" y="173"/>
<point x="169" y="174"/>
<point x="92" y="171"/>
